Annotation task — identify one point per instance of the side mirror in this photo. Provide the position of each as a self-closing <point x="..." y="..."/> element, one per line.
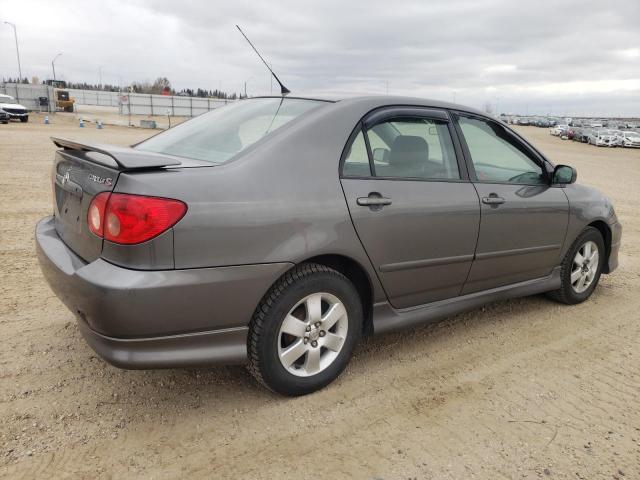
<point x="564" y="174"/>
<point x="380" y="155"/>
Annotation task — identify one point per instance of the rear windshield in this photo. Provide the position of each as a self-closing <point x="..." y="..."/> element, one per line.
<point x="219" y="135"/>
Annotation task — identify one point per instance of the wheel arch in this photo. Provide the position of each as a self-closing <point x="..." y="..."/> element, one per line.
<point x="605" y="231"/>
<point x="357" y="275"/>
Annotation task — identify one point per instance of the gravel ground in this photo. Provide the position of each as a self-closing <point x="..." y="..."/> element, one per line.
<point x="519" y="389"/>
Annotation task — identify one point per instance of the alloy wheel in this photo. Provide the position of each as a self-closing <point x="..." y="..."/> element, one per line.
<point x="312" y="334"/>
<point x="585" y="266"/>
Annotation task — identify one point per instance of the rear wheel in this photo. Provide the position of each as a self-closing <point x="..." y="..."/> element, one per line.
<point x="581" y="268"/>
<point x="304" y="331"/>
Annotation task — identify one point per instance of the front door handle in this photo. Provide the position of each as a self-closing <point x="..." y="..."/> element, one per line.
<point x="493" y="199"/>
<point x="373" y="201"/>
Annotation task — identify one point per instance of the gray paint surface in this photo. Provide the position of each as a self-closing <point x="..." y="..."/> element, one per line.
<point x="434" y="251"/>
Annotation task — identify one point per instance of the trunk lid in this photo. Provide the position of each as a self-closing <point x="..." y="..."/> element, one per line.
<point x="80" y="172"/>
<point x="76" y="180"/>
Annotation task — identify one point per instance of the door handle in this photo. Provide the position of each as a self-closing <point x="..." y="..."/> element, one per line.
<point x="493" y="200"/>
<point x="373" y="201"/>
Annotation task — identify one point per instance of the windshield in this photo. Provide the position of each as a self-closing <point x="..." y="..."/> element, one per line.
<point x="7" y="99"/>
<point x="219" y="135"/>
<point x="632" y="134"/>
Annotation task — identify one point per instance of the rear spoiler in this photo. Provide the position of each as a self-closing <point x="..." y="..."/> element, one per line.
<point x="127" y="158"/>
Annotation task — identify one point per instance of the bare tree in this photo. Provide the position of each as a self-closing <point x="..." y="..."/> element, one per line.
<point x="160" y="85"/>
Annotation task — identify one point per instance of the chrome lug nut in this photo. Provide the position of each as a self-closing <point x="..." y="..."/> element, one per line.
<point x="308" y="328"/>
<point x="305" y="340"/>
<point x="322" y="333"/>
<point x="314" y="344"/>
<point x="317" y="324"/>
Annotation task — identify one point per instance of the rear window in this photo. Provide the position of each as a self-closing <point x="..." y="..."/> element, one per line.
<point x="219" y="135"/>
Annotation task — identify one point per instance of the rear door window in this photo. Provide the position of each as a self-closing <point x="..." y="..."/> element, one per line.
<point x="413" y="147"/>
<point x="403" y="147"/>
<point x="356" y="162"/>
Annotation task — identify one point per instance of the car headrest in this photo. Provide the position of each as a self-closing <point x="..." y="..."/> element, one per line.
<point x="409" y="151"/>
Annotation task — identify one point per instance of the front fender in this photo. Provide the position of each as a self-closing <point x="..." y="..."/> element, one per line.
<point x="587" y="206"/>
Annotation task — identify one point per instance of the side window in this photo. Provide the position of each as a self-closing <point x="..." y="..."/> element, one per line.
<point x="498" y="157"/>
<point x="413" y="148"/>
<point x="356" y="162"/>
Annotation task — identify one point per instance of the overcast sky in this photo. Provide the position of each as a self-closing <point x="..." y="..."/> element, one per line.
<point x="564" y="57"/>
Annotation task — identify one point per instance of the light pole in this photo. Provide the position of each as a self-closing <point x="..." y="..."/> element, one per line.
<point x="53" y="66"/>
<point x="15" y="34"/>
<point x="245" y="85"/>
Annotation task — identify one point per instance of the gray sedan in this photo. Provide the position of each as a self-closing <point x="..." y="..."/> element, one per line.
<point x="276" y="231"/>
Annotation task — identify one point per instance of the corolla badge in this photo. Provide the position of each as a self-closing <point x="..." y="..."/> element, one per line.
<point x="101" y="180"/>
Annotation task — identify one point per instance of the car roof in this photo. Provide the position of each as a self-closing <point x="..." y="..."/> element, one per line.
<point x="382" y="101"/>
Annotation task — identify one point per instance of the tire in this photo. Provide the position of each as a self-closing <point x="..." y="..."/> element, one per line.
<point x="24" y="119"/>
<point x="573" y="292"/>
<point x="293" y="296"/>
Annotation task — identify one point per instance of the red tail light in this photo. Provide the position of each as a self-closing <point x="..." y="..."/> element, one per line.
<point x="130" y="219"/>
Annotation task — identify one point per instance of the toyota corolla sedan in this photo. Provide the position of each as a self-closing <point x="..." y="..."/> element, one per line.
<point x="276" y="231"/>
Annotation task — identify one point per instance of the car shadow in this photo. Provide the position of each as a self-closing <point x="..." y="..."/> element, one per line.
<point x="210" y="385"/>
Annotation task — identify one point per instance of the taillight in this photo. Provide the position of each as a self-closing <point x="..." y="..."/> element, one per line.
<point x="95" y="215"/>
<point x="129" y="219"/>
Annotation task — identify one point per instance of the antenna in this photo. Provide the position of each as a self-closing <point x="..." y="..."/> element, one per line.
<point x="283" y="90"/>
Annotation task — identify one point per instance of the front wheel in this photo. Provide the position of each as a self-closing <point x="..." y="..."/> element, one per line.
<point x="24" y="119"/>
<point x="581" y="268"/>
<point x="304" y="331"/>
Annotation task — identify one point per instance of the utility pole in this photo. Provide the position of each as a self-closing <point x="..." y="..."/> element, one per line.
<point x="245" y="85"/>
<point x="53" y="65"/>
<point x="100" y="75"/>
<point x="15" y="34"/>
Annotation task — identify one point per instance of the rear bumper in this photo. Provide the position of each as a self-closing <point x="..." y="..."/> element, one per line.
<point x="226" y="347"/>
<point x="616" y="236"/>
<point x="153" y="319"/>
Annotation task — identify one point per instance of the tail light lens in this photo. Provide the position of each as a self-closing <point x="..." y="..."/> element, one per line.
<point x="130" y="219"/>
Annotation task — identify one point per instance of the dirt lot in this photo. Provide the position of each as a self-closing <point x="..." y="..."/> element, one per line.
<point x="519" y="389"/>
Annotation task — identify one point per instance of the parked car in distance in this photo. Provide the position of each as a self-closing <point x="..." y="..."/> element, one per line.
<point x="580" y="134"/>
<point x="275" y="231"/>
<point x="619" y="136"/>
<point x="631" y="140"/>
<point x="13" y="108"/>
<point x="558" y="130"/>
<point x="602" y="138"/>
<point x="4" y="116"/>
<point x="596" y="125"/>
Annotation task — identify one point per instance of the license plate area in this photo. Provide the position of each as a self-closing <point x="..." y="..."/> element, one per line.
<point x="69" y="203"/>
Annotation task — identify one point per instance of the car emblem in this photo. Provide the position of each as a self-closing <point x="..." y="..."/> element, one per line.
<point x="102" y="180"/>
<point x="66" y="177"/>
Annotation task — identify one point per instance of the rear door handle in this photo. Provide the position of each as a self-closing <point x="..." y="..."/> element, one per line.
<point x="373" y="201"/>
<point x="493" y="200"/>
